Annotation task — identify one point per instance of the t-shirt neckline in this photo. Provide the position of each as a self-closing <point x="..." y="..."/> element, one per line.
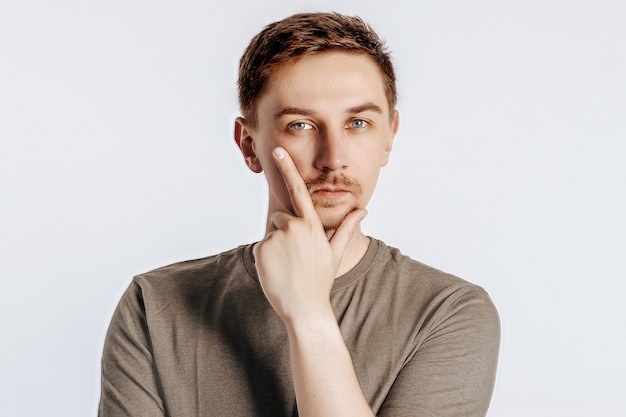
<point x="343" y="281"/>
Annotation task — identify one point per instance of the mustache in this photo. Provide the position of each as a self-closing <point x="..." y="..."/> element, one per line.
<point x="337" y="181"/>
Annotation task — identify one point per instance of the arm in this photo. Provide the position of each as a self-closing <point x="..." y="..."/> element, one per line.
<point x="324" y="377"/>
<point x="129" y="384"/>
<point x="297" y="265"/>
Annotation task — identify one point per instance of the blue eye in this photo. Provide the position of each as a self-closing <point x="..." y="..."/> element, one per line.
<point x="358" y="124"/>
<point x="301" y="126"/>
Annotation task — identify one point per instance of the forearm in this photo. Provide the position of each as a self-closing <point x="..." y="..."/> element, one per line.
<point x="323" y="373"/>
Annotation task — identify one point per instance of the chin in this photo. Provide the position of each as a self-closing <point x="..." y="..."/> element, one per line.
<point x="332" y="219"/>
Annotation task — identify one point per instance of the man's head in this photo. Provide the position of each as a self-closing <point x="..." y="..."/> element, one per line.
<point x="301" y="35"/>
<point x="322" y="87"/>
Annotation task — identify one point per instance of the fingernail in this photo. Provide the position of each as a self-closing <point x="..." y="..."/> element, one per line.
<point x="279" y="152"/>
<point x="362" y="215"/>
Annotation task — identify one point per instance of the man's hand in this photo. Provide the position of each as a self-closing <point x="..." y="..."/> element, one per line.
<point x="297" y="265"/>
<point x="296" y="262"/>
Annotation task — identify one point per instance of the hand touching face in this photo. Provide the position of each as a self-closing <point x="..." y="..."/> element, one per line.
<point x="330" y="112"/>
<point x="296" y="262"/>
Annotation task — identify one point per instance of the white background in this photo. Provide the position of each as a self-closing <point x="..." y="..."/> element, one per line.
<point x="117" y="157"/>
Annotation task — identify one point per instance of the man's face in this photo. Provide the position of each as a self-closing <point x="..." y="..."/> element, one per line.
<point x="330" y="112"/>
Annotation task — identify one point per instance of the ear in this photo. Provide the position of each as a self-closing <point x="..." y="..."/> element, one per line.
<point x="245" y="142"/>
<point x="395" y="125"/>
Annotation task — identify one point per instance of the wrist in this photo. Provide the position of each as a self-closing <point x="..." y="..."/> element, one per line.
<point x="314" y="328"/>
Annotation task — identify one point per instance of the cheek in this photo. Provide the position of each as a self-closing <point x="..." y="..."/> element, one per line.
<point x="264" y="149"/>
<point x="371" y="173"/>
<point x="301" y="157"/>
<point x="274" y="178"/>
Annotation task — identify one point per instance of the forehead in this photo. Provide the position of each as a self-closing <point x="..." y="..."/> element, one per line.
<point x="328" y="80"/>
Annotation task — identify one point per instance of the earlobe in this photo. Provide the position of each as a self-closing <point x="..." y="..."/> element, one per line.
<point x="245" y="142"/>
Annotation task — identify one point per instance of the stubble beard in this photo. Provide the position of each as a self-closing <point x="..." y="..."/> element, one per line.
<point x="330" y="211"/>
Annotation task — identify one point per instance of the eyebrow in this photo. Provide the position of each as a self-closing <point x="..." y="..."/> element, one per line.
<point x="292" y="111"/>
<point x="365" y="107"/>
<point x="306" y="112"/>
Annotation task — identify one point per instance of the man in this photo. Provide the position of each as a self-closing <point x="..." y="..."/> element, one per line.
<point x="317" y="319"/>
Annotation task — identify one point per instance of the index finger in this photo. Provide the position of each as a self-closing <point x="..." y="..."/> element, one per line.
<point x="298" y="191"/>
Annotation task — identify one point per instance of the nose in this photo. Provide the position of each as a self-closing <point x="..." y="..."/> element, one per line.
<point x="332" y="152"/>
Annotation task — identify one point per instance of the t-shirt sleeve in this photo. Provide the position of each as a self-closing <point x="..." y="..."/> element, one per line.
<point x="129" y="382"/>
<point x="452" y="372"/>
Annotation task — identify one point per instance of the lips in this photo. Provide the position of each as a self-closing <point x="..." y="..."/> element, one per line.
<point x="335" y="185"/>
<point x="328" y="195"/>
<point x="327" y="189"/>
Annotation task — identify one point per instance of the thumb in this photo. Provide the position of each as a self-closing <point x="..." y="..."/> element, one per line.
<point x="346" y="231"/>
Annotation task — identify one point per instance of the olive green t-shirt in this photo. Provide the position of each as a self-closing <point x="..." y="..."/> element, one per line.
<point x="198" y="338"/>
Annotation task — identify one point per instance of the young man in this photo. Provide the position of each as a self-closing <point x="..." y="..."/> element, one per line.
<point x="317" y="319"/>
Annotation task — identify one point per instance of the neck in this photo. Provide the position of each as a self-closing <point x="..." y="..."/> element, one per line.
<point x="354" y="252"/>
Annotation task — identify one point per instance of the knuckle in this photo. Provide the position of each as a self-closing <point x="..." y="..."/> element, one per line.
<point x="298" y="188"/>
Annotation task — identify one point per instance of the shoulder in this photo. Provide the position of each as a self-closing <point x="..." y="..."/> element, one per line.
<point x="405" y="268"/>
<point x="432" y="288"/>
<point x="190" y="281"/>
<point x="192" y="268"/>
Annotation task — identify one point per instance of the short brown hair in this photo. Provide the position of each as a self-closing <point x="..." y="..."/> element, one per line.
<point x="305" y="34"/>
